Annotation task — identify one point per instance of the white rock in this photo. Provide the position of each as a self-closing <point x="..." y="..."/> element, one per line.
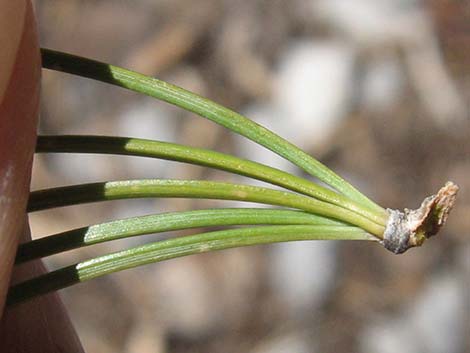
<point x="186" y="301"/>
<point x="433" y="323"/>
<point x="145" y="336"/>
<point x="312" y="90"/>
<point x="439" y="315"/>
<point x="436" y="89"/>
<point x="373" y="22"/>
<point x="302" y="274"/>
<point x="404" y="24"/>
<point x="287" y="343"/>
<point x="382" y="84"/>
<point x="389" y="336"/>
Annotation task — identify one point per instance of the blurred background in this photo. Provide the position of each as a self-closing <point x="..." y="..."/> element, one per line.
<point x="378" y="90"/>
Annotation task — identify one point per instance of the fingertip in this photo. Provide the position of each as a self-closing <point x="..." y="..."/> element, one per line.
<point x="18" y="119"/>
<point x="40" y="322"/>
<point x="12" y="17"/>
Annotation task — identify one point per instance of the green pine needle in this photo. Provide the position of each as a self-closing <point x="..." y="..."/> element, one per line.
<point x="204" y="157"/>
<point x="177" y="247"/>
<point x="206" y="108"/>
<point x="117" y="190"/>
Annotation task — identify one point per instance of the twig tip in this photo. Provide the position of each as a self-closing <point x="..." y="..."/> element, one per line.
<point x="410" y="228"/>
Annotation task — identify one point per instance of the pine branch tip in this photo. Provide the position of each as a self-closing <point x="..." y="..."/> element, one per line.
<point x="410" y="228"/>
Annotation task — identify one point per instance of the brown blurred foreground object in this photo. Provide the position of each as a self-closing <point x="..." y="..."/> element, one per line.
<point x="18" y="119"/>
<point x="43" y="324"/>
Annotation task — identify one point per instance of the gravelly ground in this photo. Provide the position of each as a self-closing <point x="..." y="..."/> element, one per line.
<point x="377" y="90"/>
